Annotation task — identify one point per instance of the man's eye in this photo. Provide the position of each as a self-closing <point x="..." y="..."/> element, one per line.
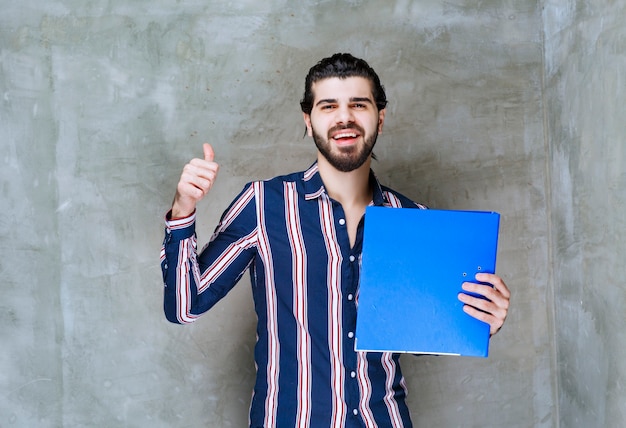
<point x="359" y="106"/>
<point x="328" y="107"/>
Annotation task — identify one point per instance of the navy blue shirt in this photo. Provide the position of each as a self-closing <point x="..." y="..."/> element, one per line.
<point x="293" y="238"/>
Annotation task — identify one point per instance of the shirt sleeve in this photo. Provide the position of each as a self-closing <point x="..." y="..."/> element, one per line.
<point x="194" y="282"/>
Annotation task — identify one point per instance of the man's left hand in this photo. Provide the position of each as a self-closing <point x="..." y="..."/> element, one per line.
<point x="494" y="308"/>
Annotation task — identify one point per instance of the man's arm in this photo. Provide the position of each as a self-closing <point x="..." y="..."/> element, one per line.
<point x="194" y="281"/>
<point x="494" y="308"/>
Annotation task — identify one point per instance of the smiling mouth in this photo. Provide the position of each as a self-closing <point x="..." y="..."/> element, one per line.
<point x="345" y="135"/>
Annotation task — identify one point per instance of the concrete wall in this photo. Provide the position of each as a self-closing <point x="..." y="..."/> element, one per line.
<point x="585" y="50"/>
<point x="102" y="103"/>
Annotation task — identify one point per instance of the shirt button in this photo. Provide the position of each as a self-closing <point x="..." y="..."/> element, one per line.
<point x="352" y="375"/>
<point x="342" y="221"/>
<point x="355" y="412"/>
<point x="350" y="297"/>
<point x="352" y="258"/>
<point x="350" y="335"/>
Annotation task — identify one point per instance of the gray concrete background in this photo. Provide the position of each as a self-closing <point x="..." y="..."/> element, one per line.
<point x="586" y="124"/>
<point x="514" y="106"/>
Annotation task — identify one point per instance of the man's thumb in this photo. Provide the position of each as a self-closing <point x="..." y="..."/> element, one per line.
<point x="209" y="155"/>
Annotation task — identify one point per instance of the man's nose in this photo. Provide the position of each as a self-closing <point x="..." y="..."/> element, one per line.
<point x="344" y="115"/>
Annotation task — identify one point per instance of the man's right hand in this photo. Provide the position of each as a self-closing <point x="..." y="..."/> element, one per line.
<point x="196" y="180"/>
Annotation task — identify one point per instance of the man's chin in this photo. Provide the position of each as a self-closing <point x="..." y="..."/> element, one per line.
<point x="344" y="158"/>
<point x="346" y="164"/>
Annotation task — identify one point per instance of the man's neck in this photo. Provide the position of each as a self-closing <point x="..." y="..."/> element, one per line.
<point x="348" y="188"/>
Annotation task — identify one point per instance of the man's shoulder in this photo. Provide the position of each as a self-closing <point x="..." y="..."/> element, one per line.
<point x="399" y="198"/>
<point x="289" y="177"/>
<point x="279" y="180"/>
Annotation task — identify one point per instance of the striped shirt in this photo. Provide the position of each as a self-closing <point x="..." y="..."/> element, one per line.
<point x="293" y="238"/>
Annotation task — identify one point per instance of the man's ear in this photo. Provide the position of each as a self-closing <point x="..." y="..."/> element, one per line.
<point x="307" y="123"/>
<point x="381" y="120"/>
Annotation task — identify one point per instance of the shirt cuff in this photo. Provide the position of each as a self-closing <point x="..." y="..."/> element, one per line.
<point x="180" y="228"/>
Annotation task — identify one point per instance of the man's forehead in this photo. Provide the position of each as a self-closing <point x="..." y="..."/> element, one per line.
<point x="348" y="87"/>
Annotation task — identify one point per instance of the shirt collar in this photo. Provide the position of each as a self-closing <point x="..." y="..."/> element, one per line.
<point x="314" y="186"/>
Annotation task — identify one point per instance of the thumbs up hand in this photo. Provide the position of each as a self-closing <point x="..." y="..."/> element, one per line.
<point x="195" y="182"/>
<point x="209" y="155"/>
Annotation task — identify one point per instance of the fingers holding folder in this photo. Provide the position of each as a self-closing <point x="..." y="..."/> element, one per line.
<point x="493" y="307"/>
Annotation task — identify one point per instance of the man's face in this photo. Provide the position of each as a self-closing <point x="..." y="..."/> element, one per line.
<point x="344" y="121"/>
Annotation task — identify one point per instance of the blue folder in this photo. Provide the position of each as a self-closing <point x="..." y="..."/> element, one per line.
<point x="413" y="265"/>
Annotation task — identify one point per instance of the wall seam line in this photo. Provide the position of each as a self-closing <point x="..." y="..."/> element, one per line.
<point x="549" y="224"/>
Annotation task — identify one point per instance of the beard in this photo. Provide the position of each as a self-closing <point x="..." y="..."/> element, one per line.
<point x="348" y="158"/>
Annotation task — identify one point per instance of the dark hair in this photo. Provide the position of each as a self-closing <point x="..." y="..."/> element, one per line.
<point x="342" y="65"/>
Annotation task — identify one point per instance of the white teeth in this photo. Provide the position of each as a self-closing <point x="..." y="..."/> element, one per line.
<point x="345" y="135"/>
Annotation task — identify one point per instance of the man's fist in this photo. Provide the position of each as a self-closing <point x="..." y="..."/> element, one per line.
<point x="195" y="181"/>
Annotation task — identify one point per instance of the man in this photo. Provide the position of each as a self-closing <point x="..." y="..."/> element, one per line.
<point x="301" y="237"/>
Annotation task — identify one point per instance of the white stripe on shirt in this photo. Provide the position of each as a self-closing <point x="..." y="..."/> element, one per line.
<point x="273" y="348"/>
<point x="335" y="327"/>
<point x="300" y="304"/>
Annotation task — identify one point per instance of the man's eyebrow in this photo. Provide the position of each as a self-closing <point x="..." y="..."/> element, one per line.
<point x="361" y="100"/>
<point x="352" y="100"/>
<point x="326" y="101"/>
